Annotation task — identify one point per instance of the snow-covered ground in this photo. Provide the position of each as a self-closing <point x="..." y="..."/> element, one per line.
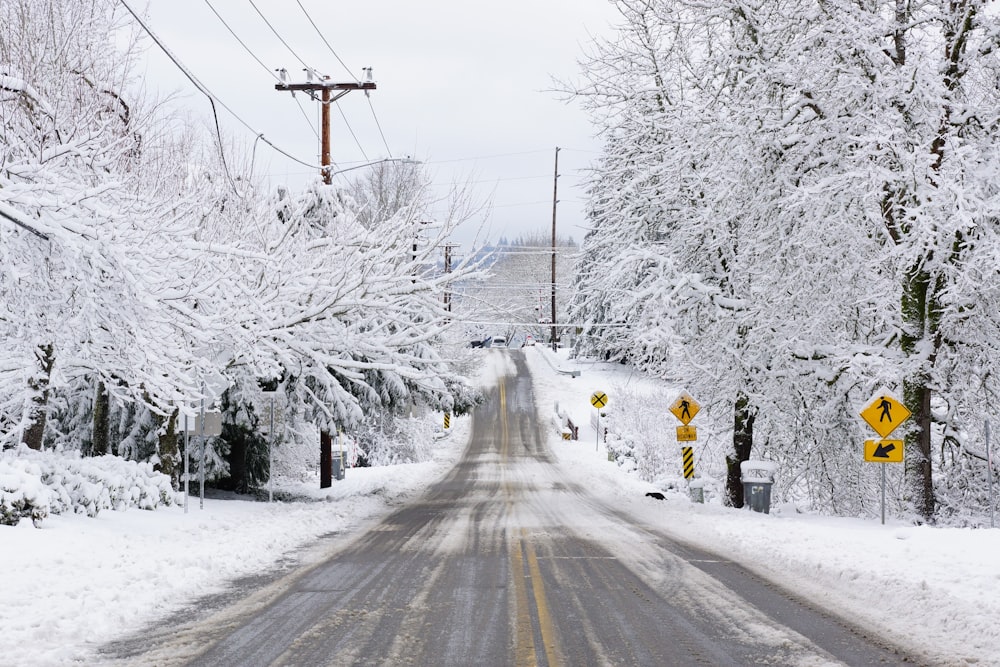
<point x="79" y="582"/>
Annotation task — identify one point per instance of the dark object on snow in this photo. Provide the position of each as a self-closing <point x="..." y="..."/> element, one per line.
<point x="655" y="494"/>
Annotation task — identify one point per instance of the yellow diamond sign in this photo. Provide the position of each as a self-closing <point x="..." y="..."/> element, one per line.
<point x="885" y="413"/>
<point x="685" y="408"/>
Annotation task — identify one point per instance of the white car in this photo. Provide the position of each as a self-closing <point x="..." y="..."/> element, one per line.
<point x="498" y="341"/>
<point x="529" y="340"/>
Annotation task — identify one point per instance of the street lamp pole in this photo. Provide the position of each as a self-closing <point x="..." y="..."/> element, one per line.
<point x="555" y="200"/>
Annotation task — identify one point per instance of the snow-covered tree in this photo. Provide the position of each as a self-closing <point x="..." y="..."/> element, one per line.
<point x="88" y="238"/>
<point x="797" y="194"/>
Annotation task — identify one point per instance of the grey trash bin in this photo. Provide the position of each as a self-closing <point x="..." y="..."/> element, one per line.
<point x="758" y="478"/>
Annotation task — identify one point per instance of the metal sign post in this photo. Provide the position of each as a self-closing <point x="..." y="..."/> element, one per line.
<point x="884" y="413"/>
<point x="186" y="457"/>
<point x="598" y="399"/>
<point x="270" y="457"/>
<point x="201" y="468"/>
<point x="883" y="495"/>
<point x="989" y="470"/>
<point x="685" y="408"/>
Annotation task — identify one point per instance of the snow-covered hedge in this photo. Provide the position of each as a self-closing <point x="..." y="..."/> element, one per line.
<point x="34" y="484"/>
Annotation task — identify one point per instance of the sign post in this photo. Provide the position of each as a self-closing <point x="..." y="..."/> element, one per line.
<point x="598" y="399"/>
<point x="270" y="393"/>
<point x="989" y="470"/>
<point x="186" y="457"/>
<point x="685" y="408"/>
<point x="884" y="414"/>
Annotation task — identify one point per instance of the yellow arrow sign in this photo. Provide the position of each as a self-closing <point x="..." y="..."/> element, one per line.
<point x="884" y="451"/>
<point x="599" y="399"/>
<point x="685" y="408"/>
<point x="885" y="413"/>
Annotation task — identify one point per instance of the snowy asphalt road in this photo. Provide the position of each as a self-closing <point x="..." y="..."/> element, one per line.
<point x="505" y="562"/>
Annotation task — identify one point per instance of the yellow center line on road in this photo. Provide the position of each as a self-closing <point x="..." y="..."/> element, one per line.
<point x="545" y="625"/>
<point x="524" y="637"/>
<point x="525" y="571"/>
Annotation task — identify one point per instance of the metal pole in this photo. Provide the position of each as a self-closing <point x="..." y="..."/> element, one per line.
<point x="883" y="493"/>
<point x="186" y="471"/>
<point x="201" y="468"/>
<point x="270" y="457"/>
<point x="555" y="200"/>
<point x="989" y="469"/>
<point x="597" y="442"/>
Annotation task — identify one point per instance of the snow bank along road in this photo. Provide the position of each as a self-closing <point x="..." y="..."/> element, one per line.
<point x="505" y="562"/>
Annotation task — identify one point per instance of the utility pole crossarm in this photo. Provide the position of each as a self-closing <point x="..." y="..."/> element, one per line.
<point x="313" y="86"/>
<point x="325" y="86"/>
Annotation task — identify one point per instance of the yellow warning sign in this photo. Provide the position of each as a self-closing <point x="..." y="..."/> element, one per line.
<point x="685" y="408"/>
<point x="598" y="399"/>
<point x="884" y="451"/>
<point x="885" y="413"/>
<point x="447" y="420"/>
<point x="687" y="433"/>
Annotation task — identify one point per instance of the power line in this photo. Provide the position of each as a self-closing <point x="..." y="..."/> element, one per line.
<point x="379" y="126"/>
<point x="351" y="130"/>
<point x="280" y="38"/>
<point x="318" y="32"/>
<point x="207" y="93"/>
<point x="261" y="63"/>
<point x="486" y="157"/>
<point x="350" y="71"/>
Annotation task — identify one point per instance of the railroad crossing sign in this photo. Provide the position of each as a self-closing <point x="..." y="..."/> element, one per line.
<point x="598" y="399"/>
<point x="885" y="413"/>
<point x="685" y="408"/>
<point x="884" y="451"/>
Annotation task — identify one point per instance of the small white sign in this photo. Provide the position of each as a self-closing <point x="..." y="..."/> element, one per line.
<point x="213" y="424"/>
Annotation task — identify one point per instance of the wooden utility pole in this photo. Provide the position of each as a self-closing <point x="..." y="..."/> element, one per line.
<point x="555" y="200"/>
<point x="325" y="460"/>
<point x="325" y="87"/>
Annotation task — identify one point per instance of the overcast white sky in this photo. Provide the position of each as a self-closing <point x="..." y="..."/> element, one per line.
<point x="461" y="86"/>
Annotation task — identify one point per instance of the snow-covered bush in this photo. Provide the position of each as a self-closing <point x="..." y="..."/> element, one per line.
<point x="393" y="441"/>
<point x="34" y="484"/>
<point x="22" y="493"/>
<point x="640" y="434"/>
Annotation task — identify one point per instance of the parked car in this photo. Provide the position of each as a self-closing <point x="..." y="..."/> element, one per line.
<point x="529" y="340"/>
<point x="498" y="341"/>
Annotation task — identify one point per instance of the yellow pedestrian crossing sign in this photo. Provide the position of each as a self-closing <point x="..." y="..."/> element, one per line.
<point x="599" y="399"/>
<point x="685" y="408"/>
<point x="885" y="413"/>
